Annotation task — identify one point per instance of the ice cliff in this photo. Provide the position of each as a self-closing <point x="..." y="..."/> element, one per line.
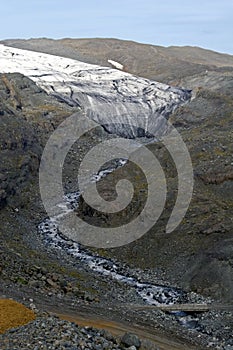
<point x="123" y="103"/>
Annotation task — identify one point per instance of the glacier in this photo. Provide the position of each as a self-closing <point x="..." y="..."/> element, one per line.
<point x="122" y="103"/>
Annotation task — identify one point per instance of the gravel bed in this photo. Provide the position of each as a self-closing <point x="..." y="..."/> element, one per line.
<point x="50" y="333"/>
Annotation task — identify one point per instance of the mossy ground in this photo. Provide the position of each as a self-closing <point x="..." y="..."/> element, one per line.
<point x="14" y="314"/>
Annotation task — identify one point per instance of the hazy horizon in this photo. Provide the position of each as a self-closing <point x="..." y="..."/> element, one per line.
<point x="205" y="24"/>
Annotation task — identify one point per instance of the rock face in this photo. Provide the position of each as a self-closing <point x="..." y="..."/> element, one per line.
<point x="27" y="115"/>
<point x="124" y="104"/>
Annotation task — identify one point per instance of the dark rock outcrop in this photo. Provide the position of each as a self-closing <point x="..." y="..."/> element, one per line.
<point x="27" y="117"/>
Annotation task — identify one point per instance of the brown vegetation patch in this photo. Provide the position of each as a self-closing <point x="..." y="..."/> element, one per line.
<point x="13" y="314"/>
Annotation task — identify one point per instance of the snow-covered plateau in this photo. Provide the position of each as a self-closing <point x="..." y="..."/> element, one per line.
<point x="125" y="104"/>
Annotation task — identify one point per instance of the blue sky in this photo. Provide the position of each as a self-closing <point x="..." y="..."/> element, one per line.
<point x="205" y="23"/>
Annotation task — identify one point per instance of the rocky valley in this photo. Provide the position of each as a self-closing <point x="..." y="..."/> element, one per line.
<point x="42" y="83"/>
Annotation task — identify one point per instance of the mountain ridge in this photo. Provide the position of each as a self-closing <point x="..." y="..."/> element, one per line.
<point x="148" y="61"/>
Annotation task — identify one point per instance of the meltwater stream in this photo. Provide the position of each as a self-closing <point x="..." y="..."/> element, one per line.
<point x="152" y="294"/>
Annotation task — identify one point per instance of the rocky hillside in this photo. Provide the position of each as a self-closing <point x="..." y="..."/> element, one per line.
<point x="202" y="242"/>
<point x="197" y="256"/>
<point x="28" y="115"/>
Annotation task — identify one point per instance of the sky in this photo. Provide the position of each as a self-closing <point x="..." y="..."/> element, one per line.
<point x="204" y="23"/>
